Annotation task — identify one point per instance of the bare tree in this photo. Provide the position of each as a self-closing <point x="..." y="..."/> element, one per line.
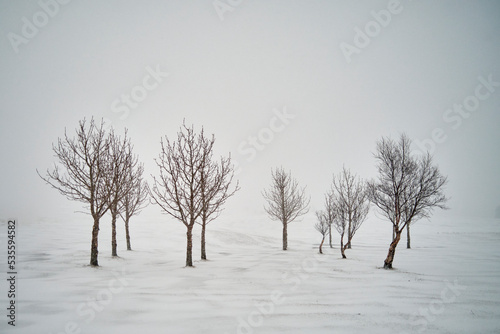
<point x="408" y="188"/>
<point x="341" y="226"/>
<point x="121" y="162"/>
<point x="351" y="207"/>
<point x="285" y="200"/>
<point x="330" y="235"/>
<point x="83" y="161"/>
<point x="215" y="181"/>
<point x="408" y="239"/>
<point x="322" y="226"/>
<point x="178" y="189"/>
<point x="329" y="213"/>
<point x="135" y="199"/>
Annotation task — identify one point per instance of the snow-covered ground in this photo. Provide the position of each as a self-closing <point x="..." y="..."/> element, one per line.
<point x="447" y="283"/>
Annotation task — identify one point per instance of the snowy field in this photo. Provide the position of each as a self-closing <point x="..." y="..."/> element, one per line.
<point x="447" y="283"/>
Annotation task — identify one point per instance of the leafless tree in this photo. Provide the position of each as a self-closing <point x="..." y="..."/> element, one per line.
<point x="330" y="235"/>
<point x="178" y="189"/>
<point x="351" y="207"/>
<point x="322" y="226"/>
<point x="121" y="162"/>
<point x="340" y="224"/>
<point x="331" y="213"/>
<point x="408" y="188"/>
<point x="215" y="182"/>
<point x="135" y="199"/>
<point x="81" y="173"/>
<point x="285" y="200"/>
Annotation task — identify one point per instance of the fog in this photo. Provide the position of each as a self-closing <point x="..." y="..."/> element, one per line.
<point x="307" y="85"/>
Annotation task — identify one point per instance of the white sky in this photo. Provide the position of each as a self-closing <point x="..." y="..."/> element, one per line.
<point x="228" y="75"/>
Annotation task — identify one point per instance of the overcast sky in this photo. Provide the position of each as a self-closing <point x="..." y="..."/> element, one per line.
<point x="308" y="85"/>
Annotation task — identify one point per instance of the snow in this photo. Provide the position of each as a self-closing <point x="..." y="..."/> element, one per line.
<point x="447" y="283"/>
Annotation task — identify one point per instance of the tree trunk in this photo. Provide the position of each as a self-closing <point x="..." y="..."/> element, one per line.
<point x="392" y="251"/>
<point x="127" y="233"/>
<point x="93" y="248"/>
<point x="408" y="236"/>
<point x="348" y="245"/>
<point x="189" y="247"/>
<point x="393" y="233"/>
<point x="330" y="233"/>
<point x="285" y="237"/>
<point x="321" y="245"/>
<point x="113" y="233"/>
<point x="203" y="251"/>
<point x="342" y="248"/>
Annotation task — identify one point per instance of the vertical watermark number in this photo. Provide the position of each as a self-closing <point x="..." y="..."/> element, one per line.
<point x="11" y="272"/>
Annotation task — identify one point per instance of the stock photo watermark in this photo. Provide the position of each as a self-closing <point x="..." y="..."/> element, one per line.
<point x="139" y="92"/>
<point x="255" y="318"/>
<point x="224" y="6"/>
<point x="292" y="280"/>
<point x="31" y="26"/>
<point x="88" y="310"/>
<point x="11" y="272"/>
<point x="253" y="144"/>
<point x="363" y="37"/>
<point x="455" y="115"/>
<point x="436" y="307"/>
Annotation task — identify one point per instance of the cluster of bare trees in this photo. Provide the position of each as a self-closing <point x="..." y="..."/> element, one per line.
<point x="100" y="170"/>
<point x="346" y="207"/>
<point x="192" y="186"/>
<point x="408" y="188"/>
